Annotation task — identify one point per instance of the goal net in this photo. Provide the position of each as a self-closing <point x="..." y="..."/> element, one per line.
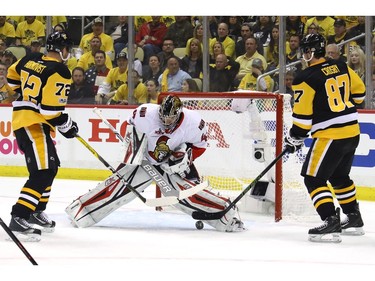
<point x="245" y="133"/>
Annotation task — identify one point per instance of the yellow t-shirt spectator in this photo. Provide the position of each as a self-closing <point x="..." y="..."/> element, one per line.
<point x="87" y="60"/>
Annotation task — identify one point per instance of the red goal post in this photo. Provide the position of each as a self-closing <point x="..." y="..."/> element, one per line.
<point x="245" y="132"/>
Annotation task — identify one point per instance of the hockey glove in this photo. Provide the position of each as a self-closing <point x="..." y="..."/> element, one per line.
<point x="179" y="162"/>
<point x="69" y="129"/>
<point x="293" y="142"/>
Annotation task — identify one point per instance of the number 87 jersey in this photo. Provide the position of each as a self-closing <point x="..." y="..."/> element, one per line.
<point x="325" y="95"/>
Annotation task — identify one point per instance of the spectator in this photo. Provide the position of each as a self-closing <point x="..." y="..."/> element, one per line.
<point x="197" y="34"/>
<point x="228" y="43"/>
<point x="246" y="32"/>
<point x="172" y="77"/>
<point x="153" y="92"/>
<point x="180" y="31"/>
<point x="59" y="28"/>
<point x="234" y="26"/>
<point x="137" y="64"/>
<point x="7" y="95"/>
<point x="356" y="61"/>
<point x="294" y="26"/>
<point x="213" y="26"/>
<point x="262" y="29"/>
<point x="97" y="30"/>
<point x="222" y="74"/>
<point x="272" y="54"/>
<point x="333" y="52"/>
<point x="249" y="81"/>
<point x="55" y="20"/>
<point x="189" y="85"/>
<point x="167" y="52"/>
<point x="115" y="78"/>
<point x="358" y="30"/>
<point x="87" y="59"/>
<point x="340" y="36"/>
<point x="97" y="73"/>
<point x="8" y="58"/>
<point x="3" y="46"/>
<point x="293" y="54"/>
<point x="245" y="61"/>
<point x="119" y="34"/>
<point x="150" y="37"/>
<point x="152" y="70"/>
<point x="288" y="78"/>
<point x="7" y="31"/>
<point x="35" y="46"/>
<point x="193" y="63"/>
<point x="138" y="95"/>
<point x="350" y="21"/>
<point x="28" y="30"/>
<point x="313" y="28"/>
<point x="324" y="25"/>
<point x="216" y="49"/>
<point x="80" y="92"/>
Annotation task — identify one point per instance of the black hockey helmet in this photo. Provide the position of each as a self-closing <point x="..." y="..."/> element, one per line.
<point x="56" y="42"/>
<point x="170" y="111"/>
<point x="314" y="43"/>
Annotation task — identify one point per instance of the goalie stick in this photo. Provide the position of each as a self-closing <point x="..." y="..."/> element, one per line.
<point x="18" y="242"/>
<point x="199" y="215"/>
<point x="162" y="201"/>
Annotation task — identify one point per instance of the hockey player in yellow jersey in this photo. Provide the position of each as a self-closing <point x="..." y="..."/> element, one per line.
<point x="43" y="83"/>
<point x="326" y="94"/>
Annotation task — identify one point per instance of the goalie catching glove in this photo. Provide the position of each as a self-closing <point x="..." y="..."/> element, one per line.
<point x="179" y="162"/>
<point x="293" y="142"/>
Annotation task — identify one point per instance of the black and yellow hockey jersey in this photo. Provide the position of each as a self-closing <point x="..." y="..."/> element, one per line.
<point x="325" y="94"/>
<point x="43" y="84"/>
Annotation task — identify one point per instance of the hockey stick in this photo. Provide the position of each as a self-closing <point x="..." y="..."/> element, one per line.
<point x="165" y="201"/>
<point x="199" y="215"/>
<point x="150" y="169"/>
<point x="97" y="112"/>
<point x="18" y="242"/>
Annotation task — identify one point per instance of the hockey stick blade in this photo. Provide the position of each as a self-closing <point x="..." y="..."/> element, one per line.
<point x="200" y="215"/>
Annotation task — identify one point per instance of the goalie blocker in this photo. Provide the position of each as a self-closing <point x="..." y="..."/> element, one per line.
<point x="112" y="193"/>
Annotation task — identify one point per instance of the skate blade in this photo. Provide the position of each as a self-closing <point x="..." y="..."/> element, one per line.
<point x="44" y="229"/>
<point x="325" y="238"/>
<point x="353" y="231"/>
<point x="32" y="237"/>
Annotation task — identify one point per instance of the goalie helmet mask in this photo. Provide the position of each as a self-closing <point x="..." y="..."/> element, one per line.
<point x="314" y="44"/>
<point x="170" y="111"/>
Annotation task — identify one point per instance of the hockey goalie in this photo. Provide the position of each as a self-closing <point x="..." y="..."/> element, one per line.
<point x="162" y="143"/>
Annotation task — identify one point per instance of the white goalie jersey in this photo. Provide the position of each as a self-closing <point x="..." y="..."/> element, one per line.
<point x="161" y="142"/>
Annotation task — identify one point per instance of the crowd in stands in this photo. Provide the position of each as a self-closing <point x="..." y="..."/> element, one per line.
<point x="169" y="52"/>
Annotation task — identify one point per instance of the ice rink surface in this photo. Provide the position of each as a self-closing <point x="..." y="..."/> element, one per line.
<point x="138" y="243"/>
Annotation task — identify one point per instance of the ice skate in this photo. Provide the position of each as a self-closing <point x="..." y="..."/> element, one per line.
<point x="40" y="220"/>
<point x="329" y="231"/>
<point x="352" y="224"/>
<point x="23" y="230"/>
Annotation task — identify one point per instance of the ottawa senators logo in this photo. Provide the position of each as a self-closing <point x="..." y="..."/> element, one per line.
<point x="161" y="151"/>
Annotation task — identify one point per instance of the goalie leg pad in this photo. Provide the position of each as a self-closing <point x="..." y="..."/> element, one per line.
<point x="207" y="201"/>
<point x="107" y="196"/>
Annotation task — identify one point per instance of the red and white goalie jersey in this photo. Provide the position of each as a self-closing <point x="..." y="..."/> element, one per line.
<point x="161" y="142"/>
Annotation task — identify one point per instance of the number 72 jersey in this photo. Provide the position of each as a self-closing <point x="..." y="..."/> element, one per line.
<point x="325" y="95"/>
<point x="43" y="84"/>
